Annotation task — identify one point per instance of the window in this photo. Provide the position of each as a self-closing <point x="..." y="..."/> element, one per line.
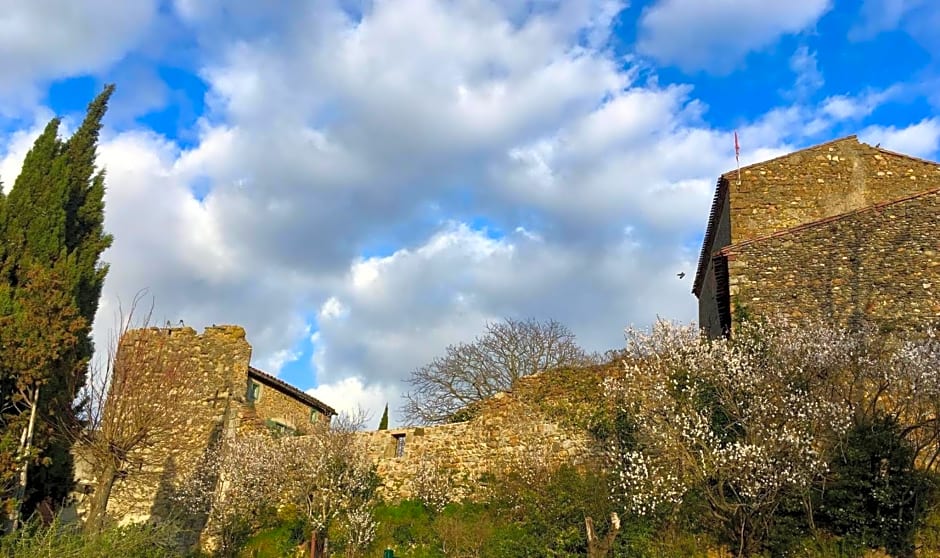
<point x="399" y="445"/>
<point x="314" y="416"/>
<point x="254" y="391"/>
<point x="279" y="428"/>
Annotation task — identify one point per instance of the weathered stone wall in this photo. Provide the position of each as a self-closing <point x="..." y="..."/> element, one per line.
<point x="279" y="407"/>
<point x="821" y="182"/>
<point x="213" y="367"/>
<point x="542" y="421"/>
<point x="882" y="263"/>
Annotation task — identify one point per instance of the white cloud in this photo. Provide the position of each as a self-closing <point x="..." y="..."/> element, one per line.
<point x="46" y="39"/>
<point x="332" y="309"/>
<point x="808" y="77"/>
<point x="882" y="15"/>
<point x="350" y="396"/>
<point x="715" y="36"/>
<point x="853" y="107"/>
<point x="921" y="139"/>
<point x="445" y="291"/>
<point x="918" y="18"/>
<point x="333" y="136"/>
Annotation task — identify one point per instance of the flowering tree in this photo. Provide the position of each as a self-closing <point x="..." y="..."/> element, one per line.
<point x="433" y="483"/>
<point x="233" y="486"/>
<point x="742" y="422"/>
<point x="329" y="477"/>
<point x="747" y="421"/>
<point x="325" y="476"/>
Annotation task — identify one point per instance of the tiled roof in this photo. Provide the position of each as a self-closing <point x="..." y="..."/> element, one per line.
<point x="290" y="390"/>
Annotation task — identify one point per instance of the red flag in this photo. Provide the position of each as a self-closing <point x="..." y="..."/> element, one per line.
<point x="737" y="147"/>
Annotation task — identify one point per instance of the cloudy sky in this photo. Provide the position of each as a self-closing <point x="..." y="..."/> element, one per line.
<point x="361" y="183"/>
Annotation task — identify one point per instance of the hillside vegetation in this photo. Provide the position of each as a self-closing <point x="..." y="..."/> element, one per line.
<point x="788" y="440"/>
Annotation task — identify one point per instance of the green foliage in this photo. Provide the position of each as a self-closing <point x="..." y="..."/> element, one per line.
<point x="527" y="520"/>
<point x="404" y="527"/>
<point x="274" y="542"/>
<point x="51" y="232"/>
<point x="383" y="424"/>
<point x="929" y="535"/>
<point x="876" y="496"/>
<point x="552" y="509"/>
<point x="741" y="313"/>
<point x="615" y="428"/>
<point x="59" y="540"/>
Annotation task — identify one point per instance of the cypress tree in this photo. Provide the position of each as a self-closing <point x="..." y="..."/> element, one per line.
<point x="383" y="424"/>
<point x="52" y="228"/>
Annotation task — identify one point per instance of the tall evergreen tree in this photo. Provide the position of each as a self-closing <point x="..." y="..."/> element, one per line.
<point x="52" y="230"/>
<point x="383" y="423"/>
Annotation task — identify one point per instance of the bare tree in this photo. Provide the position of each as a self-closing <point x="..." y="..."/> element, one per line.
<point x="131" y="406"/>
<point x="468" y="373"/>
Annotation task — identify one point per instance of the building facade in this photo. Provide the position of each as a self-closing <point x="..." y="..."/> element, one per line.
<point x="840" y="230"/>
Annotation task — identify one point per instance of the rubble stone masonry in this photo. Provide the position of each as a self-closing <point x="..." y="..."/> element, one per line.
<point x="816" y="273"/>
<point x="214" y="364"/>
<point x="881" y="263"/>
<point x="276" y="407"/>
<point x="531" y="426"/>
<point x="820" y="182"/>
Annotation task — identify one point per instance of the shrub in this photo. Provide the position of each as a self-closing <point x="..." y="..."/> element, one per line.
<point x="58" y="540"/>
<point x="877" y="497"/>
<point x="406" y="528"/>
<point x="274" y="542"/>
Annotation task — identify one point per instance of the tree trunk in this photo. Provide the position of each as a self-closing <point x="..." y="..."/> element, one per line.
<point x="317" y="545"/>
<point x="26" y="443"/>
<point x="98" y="509"/>
<point x="600" y="548"/>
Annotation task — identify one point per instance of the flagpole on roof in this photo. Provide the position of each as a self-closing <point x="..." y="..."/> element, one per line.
<point x="737" y="155"/>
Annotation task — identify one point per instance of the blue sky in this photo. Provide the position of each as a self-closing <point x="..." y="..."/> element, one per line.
<point x="360" y="183"/>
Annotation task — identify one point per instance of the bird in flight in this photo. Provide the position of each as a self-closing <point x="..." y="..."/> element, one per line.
<point x="680" y="275"/>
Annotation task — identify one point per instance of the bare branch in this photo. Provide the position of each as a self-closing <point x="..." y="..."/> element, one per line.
<point x="468" y="373"/>
<point x="131" y="405"/>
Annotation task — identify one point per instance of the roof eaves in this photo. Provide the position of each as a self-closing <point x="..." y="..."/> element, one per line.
<point x="290" y="390"/>
<point x="714" y="215"/>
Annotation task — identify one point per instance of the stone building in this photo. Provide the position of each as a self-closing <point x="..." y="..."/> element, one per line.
<point x="840" y="230"/>
<point x="224" y="396"/>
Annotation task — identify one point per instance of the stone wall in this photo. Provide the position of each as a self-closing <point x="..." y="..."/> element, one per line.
<point x="882" y="263"/>
<point x="820" y="182"/>
<point x="213" y="367"/>
<point x="273" y="405"/>
<point x="543" y="421"/>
